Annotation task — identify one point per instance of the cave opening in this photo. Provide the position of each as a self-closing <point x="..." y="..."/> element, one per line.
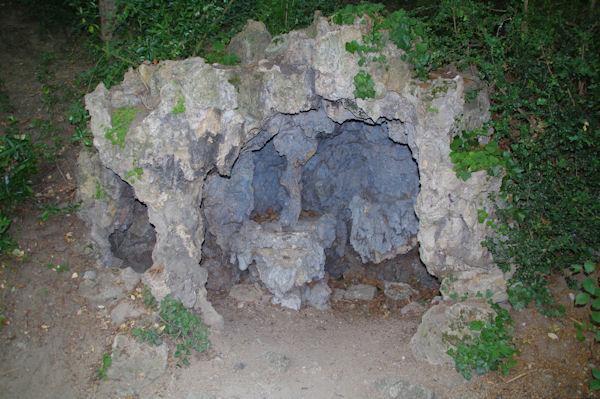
<point x="313" y="201"/>
<point x="133" y="236"/>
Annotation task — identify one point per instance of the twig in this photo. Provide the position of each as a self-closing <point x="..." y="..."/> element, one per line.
<point x="519" y="376"/>
<point x="576" y="321"/>
<point x="61" y="173"/>
<point x="10" y="371"/>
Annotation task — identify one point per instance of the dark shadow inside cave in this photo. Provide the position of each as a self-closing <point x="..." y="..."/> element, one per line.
<point x="350" y="186"/>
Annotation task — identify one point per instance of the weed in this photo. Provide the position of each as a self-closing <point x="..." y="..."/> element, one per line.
<point x="53" y="209"/>
<point x="180" y="107"/>
<point x="106" y="363"/>
<point x="100" y="194"/>
<point x="364" y="86"/>
<point x="78" y="116"/>
<point x="120" y="121"/>
<point x="492" y="349"/>
<point x="5" y="104"/>
<point x="58" y="269"/>
<point x="18" y="162"/>
<point x="589" y="295"/>
<point x="177" y="322"/>
<point x="137" y="171"/>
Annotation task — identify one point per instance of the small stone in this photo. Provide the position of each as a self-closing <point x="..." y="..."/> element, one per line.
<point x="399" y="291"/>
<point x="239" y="366"/>
<point x="246" y="292"/>
<point x="338" y="294"/>
<point x="89" y="275"/>
<point x="412" y="307"/>
<point x="134" y="365"/>
<point x="361" y="292"/>
<point x="277" y="361"/>
<point x="317" y="295"/>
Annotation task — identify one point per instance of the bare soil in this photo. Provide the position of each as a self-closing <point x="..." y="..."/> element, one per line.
<point x="52" y="339"/>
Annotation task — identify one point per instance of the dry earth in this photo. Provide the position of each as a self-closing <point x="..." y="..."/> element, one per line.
<point x="53" y="337"/>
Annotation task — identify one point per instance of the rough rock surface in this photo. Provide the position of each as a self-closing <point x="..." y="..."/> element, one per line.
<point x="444" y="326"/>
<point x="134" y="365"/>
<point x="360" y="292"/>
<point x="255" y="152"/>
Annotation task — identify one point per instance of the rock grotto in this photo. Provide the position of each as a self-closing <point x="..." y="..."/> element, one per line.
<point x="275" y="169"/>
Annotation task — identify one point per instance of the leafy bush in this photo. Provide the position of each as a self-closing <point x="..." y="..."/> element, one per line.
<point x="155" y="30"/>
<point x="492" y="349"/>
<point x="542" y="70"/>
<point x="18" y="162"/>
<point x="177" y="322"/>
<point x="589" y="295"/>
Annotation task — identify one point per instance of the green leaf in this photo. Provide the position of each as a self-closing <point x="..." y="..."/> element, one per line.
<point x="596" y="317"/>
<point x="589" y="266"/>
<point x="582" y="298"/>
<point x="589" y="285"/>
<point x="576" y="268"/>
<point x="596" y="304"/>
<point x="595" y="385"/>
<point x="596" y="373"/>
<point x="476" y="325"/>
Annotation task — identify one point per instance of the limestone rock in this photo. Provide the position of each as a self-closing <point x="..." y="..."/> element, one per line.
<point x="398" y="291"/>
<point x="360" y="292"/>
<point x="399" y="388"/>
<point x="317" y="295"/>
<point x="444" y="326"/>
<point x="134" y="365"/>
<point x="250" y="43"/>
<point x="246" y="293"/>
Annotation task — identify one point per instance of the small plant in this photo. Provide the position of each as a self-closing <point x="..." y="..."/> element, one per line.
<point x="149" y="301"/>
<point x="186" y="328"/>
<point x="589" y="294"/>
<point x="180" y="107"/>
<point x="78" y="117"/>
<point x="5" y="104"/>
<point x="137" y="171"/>
<point x="365" y="87"/>
<point x="406" y="32"/>
<point x="58" y="269"/>
<point x="492" y="349"/>
<point x="53" y="209"/>
<point x="106" y="363"/>
<point x="100" y="194"/>
<point x="2" y="317"/>
<point x="120" y="121"/>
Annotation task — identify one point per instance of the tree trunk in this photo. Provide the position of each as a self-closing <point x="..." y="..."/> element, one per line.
<point x="106" y="9"/>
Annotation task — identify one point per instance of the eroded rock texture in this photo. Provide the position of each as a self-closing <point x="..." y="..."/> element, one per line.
<point x="282" y="165"/>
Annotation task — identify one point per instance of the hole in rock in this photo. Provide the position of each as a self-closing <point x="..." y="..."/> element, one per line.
<point x="312" y="201"/>
<point x="133" y="239"/>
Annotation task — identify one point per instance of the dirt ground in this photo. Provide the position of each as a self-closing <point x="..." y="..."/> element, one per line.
<point x="53" y="337"/>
